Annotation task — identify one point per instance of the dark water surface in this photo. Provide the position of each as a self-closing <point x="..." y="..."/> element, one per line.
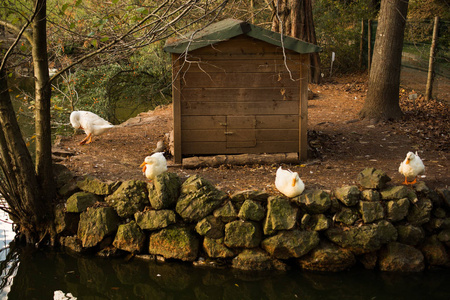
<point x="35" y="274"/>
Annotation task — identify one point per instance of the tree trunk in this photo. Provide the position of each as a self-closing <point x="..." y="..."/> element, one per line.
<point x="382" y="101"/>
<point x="294" y="18"/>
<point x="28" y="210"/>
<point x="43" y="95"/>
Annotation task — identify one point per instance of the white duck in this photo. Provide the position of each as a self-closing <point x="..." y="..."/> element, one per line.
<point x="289" y="183"/>
<point x="90" y="123"/>
<point x="154" y="165"/>
<point x="411" y="167"/>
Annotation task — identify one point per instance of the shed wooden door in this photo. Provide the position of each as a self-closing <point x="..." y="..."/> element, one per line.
<point x="241" y="132"/>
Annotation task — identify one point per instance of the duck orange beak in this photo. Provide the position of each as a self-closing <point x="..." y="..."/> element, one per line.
<point x="293" y="182"/>
<point x="407" y="161"/>
<point x="143" y="166"/>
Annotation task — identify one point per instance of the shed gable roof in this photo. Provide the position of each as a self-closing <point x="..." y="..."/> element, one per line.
<point x="229" y="28"/>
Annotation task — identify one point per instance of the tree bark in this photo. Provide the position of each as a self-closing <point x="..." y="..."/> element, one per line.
<point x="42" y="99"/>
<point x="382" y="101"/>
<point x="294" y="18"/>
<point x="28" y="209"/>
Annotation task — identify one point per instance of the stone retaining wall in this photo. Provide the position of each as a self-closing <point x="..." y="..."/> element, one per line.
<point x="391" y="228"/>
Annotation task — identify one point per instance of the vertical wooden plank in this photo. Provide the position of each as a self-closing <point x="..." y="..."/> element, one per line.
<point x="176" y="98"/>
<point x="303" y="108"/>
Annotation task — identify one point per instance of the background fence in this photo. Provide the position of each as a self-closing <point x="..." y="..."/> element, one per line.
<point x="416" y="55"/>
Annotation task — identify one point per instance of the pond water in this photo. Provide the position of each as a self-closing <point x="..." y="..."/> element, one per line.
<point x="28" y="273"/>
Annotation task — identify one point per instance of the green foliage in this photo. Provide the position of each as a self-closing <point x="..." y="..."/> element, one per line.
<point x="338" y="29"/>
<point x="119" y="91"/>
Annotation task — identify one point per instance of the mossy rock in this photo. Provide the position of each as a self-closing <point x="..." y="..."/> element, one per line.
<point x="80" y="201"/>
<point x="257" y="260"/>
<point x="348" y="195"/>
<point x="215" y="248"/>
<point x="242" y="234"/>
<point x="129" y="238"/>
<point x="155" y="219"/>
<point x="327" y="257"/>
<point x="163" y="193"/>
<point x="252" y="210"/>
<point x="96" y="224"/>
<point x="281" y="215"/>
<point x="198" y="199"/>
<point x="314" y="202"/>
<point x="129" y="198"/>
<point x="95" y="186"/>
<point x="174" y="242"/>
<point x="372" y="178"/>
<point x="291" y="244"/>
<point x="363" y="239"/>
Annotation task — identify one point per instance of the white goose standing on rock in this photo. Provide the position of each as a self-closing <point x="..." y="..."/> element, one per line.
<point x="411" y="167"/>
<point x="289" y="183"/>
<point x="90" y="123"/>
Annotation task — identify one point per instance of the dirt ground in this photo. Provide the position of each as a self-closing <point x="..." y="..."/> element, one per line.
<point x="341" y="144"/>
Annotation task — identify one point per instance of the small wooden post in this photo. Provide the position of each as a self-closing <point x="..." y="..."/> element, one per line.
<point x="369" y="44"/>
<point x="176" y="94"/>
<point x="361" y="45"/>
<point x="303" y="108"/>
<point x="430" y="78"/>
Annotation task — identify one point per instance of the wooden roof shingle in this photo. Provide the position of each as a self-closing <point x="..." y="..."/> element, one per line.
<point x="229" y="28"/>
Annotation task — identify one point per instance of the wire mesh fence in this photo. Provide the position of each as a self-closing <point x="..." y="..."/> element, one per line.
<point x="416" y="55"/>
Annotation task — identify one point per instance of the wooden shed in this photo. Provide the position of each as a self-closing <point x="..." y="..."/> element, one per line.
<point x="239" y="88"/>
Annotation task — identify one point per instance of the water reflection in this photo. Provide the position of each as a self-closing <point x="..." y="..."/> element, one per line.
<point x="49" y="275"/>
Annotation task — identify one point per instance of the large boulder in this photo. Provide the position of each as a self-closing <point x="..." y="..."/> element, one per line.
<point x="288" y="244"/>
<point x="327" y="257"/>
<point x="80" y="201"/>
<point x="129" y="198"/>
<point x="210" y="227"/>
<point x="318" y="222"/>
<point x="95" y="186"/>
<point x="226" y="212"/>
<point x="434" y="251"/>
<point x="244" y="234"/>
<point x="314" y="202"/>
<point x="395" y="192"/>
<point x="129" y="237"/>
<point x="420" y="213"/>
<point x="281" y="215"/>
<point x="72" y="243"/>
<point x="347" y="215"/>
<point x="371" y="195"/>
<point x="62" y="175"/>
<point x="96" y="224"/>
<point x="256" y="260"/>
<point x="410" y="234"/>
<point x="397" y="257"/>
<point x="252" y="210"/>
<point x="198" y="199"/>
<point x="174" y="242"/>
<point x="397" y="210"/>
<point x="65" y="223"/>
<point x="363" y="239"/>
<point x="371" y="211"/>
<point x="371" y="178"/>
<point x="163" y="193"/>
<point x="155" y="219"/>
<point x="348" y="195"/>
<point x="215" y="248"/>
<point x="241" y="196"/>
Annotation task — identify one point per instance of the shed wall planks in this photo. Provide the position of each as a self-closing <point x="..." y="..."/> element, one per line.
<point x="239" y="96"/>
